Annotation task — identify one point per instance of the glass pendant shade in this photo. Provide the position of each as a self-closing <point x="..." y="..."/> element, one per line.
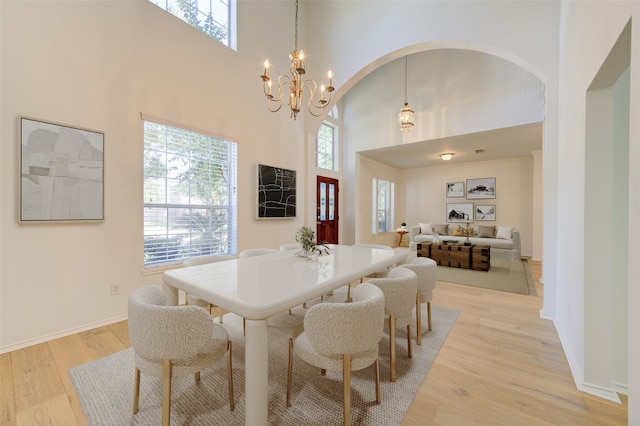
<point x="405" y="118"/>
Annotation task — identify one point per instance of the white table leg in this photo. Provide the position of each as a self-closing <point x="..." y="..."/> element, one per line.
<point x="170" y="295"/>
<point x="256" y="370"/>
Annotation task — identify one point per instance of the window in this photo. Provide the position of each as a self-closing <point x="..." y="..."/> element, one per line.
<point x="326" y="142"/>
<point x="189" y="194"/>
<point x="383" y="206"/>
<point x="212" y="17"/>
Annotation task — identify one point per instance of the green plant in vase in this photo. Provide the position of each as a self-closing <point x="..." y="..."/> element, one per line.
<point x="306" y="237"/>
<point x="468" y="232"/>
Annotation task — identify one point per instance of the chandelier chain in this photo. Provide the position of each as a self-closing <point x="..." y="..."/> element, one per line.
<point x="295" y="46"/>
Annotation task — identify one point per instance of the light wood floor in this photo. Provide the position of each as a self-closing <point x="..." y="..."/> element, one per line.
<point x="500" y="365"/>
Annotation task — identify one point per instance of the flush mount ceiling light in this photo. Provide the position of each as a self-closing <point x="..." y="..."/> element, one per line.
<point x="296" y="85"/>
<point x="405" y="117"/>
<point x="446" y="156"/>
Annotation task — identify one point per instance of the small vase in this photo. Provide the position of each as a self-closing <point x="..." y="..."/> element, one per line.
<point x="307" y="254"/>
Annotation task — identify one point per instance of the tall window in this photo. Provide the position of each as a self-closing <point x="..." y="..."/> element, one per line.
<point x="189" y="194"/>
<point x="326" y="142"/>
<point x="383" y="206"/>
<point x="212" y="17"/>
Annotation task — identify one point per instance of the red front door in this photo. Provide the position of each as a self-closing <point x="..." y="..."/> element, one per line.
<point x="327" y="210"/>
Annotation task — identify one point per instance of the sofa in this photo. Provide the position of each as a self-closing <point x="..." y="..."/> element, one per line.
<point x="503" y="240"/>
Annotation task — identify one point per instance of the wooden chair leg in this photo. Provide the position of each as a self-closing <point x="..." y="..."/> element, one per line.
<point x="136" y="391"/>
<point x="377" y="367"/>
<point x="289" y="372"/>
<point x="232" y="404"/>
<point x="392" y="346"/>
<point x="346" y="387"/>
<point x="166" y="392"/>
<point x="418" y="321"/>
<point x="409" y="341"/>
<point x="429" y="314"/>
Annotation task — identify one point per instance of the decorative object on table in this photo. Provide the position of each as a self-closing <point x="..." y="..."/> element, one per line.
<point x="459" y="212"/>
<point x="276" y="193"/>
<point x="455" y="189"/>
<point x="62" y="172"/>
<point x="465" y="231"/>
<point x="487" y="213"/>
<point x="481" y="188"/>
<point x="403" y="225"/>
<point x="310" y="249"/>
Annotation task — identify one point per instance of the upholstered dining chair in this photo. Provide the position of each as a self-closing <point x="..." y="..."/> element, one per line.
<point x="377" y="274"/>
<point x="342" y="337"/>
<point x="256" y="252"/>
<point x="172" y="341"/>
<point x="201" y="260"/>
<point x="399" y="287"/>
<point x="426" y="271"/>
<point x="291" y="246"/>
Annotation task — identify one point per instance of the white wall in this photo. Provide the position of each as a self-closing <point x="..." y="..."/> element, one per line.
<point x="425" y="197"/>
<point x="590" y="31"/>
<point x="98" y="64"/>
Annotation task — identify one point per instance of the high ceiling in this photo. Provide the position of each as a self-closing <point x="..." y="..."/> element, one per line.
<point x="465" y="101"/>
<point x="508" y="142"/>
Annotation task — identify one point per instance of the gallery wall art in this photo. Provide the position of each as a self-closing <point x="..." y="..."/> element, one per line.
<point x="61" y="172"/>
<point x="276" y="192"/>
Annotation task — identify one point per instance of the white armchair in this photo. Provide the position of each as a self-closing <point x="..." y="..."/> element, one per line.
<point x="201" y="260"/>
<point x="171" y="341"/>
<point x="399" y="288"/>
<point x="426" y="271"/>
<point x="342" y="337"/>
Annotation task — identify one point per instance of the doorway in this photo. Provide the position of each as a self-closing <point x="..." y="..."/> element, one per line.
<point x="327" y="210"/>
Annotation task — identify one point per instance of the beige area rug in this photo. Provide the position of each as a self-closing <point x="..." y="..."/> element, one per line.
<point x="105" y="386"/>
<point x="503" y="275"/>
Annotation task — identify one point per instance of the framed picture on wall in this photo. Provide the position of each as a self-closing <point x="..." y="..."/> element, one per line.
<point x="481" y="188"/>
<point x="455" y="189"/>
<point x="61" y="172"/>
<point x="486" y="212"/>
<point x="459" y="212"/>
<point x="276" y="193"/>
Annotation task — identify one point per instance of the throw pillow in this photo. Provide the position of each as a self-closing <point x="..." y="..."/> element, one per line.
<point x="504" y="232"/>
<point x="486" y="231"/>
<point x="425" y="229"/>
<point x="441" y="229"/>
<point x="462" y="232"/>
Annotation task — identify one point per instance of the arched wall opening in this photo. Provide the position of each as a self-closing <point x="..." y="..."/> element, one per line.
<point x="386" y="131"/>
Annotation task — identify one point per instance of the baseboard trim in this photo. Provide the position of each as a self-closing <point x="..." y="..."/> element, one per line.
<point x="596" y="390"/>
<point x="42" y="339"/>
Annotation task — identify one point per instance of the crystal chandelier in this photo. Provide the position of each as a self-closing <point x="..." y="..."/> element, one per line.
<point x="296" y="85"/>
<point x="405" y="117"/>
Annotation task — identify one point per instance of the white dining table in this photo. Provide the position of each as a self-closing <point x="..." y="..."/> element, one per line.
<point x="261" y="287"/>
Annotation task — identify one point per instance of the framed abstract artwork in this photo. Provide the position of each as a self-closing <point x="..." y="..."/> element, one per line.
<point x="486" y="212"/>
<point x="61" y="172"/>
<point x="276" y="193"/>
